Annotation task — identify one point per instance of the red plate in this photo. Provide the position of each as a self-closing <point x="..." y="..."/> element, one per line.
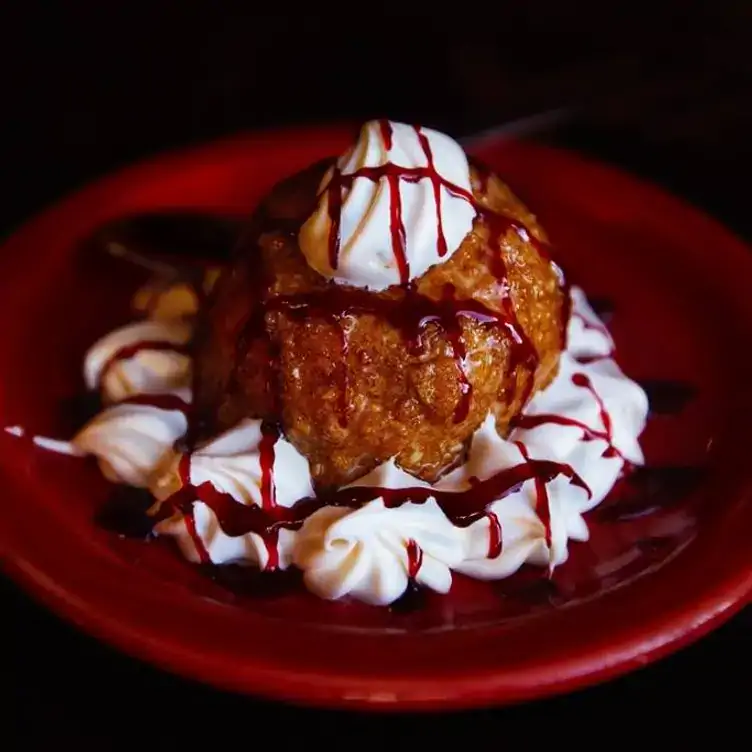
<point x="644" y="585"/>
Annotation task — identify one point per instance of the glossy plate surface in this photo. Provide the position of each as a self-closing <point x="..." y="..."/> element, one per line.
<point x="648" y="581"/>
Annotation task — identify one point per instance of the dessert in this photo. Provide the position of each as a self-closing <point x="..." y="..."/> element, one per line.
<point x="391" y="383"/>
<point x="413" y="300"/>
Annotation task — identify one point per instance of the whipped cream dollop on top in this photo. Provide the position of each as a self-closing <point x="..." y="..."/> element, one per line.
<point x="586" y="421"/>
<point x="396" y="203"/>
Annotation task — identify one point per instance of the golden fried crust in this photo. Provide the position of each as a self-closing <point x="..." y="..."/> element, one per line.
<point x="352" y="391"/>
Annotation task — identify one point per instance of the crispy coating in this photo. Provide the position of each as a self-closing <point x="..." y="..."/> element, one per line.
<point x="350" y="391"/>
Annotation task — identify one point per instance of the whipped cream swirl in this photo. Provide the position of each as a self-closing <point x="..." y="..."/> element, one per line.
<point x="232" y="464"/>
<point x="133" y="443"/>
<point x="133" y="438"/>
<point x="370" y="553"/>
<point x="396" y="203"/>
<point x="140" y="358"/>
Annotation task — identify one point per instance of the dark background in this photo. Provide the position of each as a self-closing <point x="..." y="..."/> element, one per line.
<point x="660" y="88"/>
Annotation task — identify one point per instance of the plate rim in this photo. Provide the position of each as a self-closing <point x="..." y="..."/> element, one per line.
<point x="695" y="619"/>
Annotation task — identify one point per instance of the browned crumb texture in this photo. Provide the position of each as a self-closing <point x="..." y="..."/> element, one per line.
<point x="398" y="401"/>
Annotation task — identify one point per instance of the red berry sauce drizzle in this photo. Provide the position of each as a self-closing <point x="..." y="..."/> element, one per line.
<point x="593" y="326"/>
<point x="495" y="536"/>
<point x="410" y="312"/>
<point x="542" y="507"/>
<point x="414" y="559"/>
<point x="226" y="508"/>
<point x="648" y="491"/>
<point x="495" y="533"/>
<point x="161" y="401"/>
<point x="588" y="433"/>
<point x="461" y="508"/>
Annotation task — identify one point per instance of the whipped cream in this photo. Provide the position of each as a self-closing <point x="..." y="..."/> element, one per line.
<point x="201" y="540"/>
<point x="370" y="553"/>
<point x="589" y="418"/>
<point x="394" y="205"/>
<point x="150" y="362"/>
<point x="232" y="464"/>
<point x="133" y="443"/>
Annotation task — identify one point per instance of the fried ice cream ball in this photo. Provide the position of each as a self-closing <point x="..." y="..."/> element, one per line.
<point x="356" y="377"/>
